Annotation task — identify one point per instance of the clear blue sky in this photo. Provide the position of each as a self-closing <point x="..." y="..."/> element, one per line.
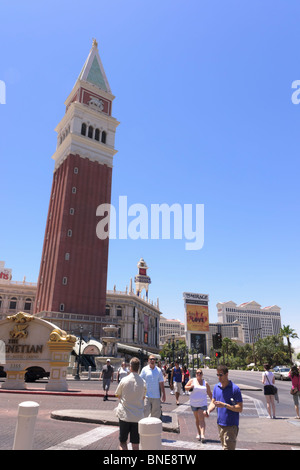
<point x="203" y="94"/>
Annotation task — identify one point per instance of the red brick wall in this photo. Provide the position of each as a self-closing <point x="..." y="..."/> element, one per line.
<point x="86" y="270"/>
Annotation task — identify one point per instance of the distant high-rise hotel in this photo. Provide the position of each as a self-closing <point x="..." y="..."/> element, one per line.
<point x="256" y="322"/>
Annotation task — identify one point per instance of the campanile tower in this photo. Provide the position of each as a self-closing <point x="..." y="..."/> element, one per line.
<point x="73" y="269"/>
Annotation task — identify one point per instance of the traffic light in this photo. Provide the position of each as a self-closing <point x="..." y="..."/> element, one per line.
<point x="218" y="354"/>
<point x="218" y="340"/>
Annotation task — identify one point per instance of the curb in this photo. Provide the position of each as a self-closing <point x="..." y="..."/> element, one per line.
<point x="170" y="421"/>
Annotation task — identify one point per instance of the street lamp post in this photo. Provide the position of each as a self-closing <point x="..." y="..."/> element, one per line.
<point x="77" y="376"/>
<point x="173" y="345"/>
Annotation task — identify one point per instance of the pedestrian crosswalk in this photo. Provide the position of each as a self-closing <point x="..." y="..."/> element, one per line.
<point x="251" y="408"/>
<point x="83" y="440"/>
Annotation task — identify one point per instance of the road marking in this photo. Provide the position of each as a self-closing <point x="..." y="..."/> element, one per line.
<point x="252" y="406"/>
<point x="190" y="445"/>
<point x="83" y="440"/>
<point x="259" y="405"/>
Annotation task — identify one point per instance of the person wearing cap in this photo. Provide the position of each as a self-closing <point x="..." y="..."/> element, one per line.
<point x="107" y="375"/>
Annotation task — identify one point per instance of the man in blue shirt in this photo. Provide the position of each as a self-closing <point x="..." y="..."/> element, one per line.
<point x="176" y="381"/>
<point x="155" y="388"/>
<point x="227" y="398"/>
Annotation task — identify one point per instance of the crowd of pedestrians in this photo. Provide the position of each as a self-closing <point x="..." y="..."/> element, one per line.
<point x="141" y="393"/>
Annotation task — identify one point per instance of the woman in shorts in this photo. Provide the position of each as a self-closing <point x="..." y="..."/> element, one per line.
<point x="199" y="390"/>
<point x="268" y="379"/>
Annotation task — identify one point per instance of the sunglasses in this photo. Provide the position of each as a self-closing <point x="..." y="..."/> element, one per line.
<point x="198" y="373"/>
<point x="220" y="375"/>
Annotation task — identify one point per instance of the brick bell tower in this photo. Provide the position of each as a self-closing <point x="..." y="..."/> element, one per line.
<point x="73" y="271"/>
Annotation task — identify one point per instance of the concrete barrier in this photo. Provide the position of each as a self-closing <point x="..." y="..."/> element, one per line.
<point x="150" y="430"/>
<point x="27" y="414"/>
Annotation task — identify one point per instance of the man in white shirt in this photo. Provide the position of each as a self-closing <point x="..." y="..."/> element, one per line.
<point x="131" y="391"/>
<point x="155" y="388"/>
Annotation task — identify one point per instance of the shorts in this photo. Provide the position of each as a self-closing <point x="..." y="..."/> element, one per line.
<point x="296" y="398"/>
<point x="177" y="387"/>
<point x="269" y="390"/>
<point x="106" y="384"/>
<point x="228" y="436"/>
<point x="196" y="408"/>
<point x="129" y="428"/>
<point x="152" y="407"/>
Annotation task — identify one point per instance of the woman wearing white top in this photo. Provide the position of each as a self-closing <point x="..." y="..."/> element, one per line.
<point x="199" y="389"/>
<point x="268" y="380"/>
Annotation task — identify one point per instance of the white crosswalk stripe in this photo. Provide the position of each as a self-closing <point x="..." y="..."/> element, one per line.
<point x="83" y="440"/>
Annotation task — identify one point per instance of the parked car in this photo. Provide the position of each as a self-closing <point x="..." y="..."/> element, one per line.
<point x="281" y="373"/>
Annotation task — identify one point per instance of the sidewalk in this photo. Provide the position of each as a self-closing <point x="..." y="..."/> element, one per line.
<point x="179" y="429"/>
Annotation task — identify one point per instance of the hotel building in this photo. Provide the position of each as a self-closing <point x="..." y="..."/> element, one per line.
<point x="257" y="322"/>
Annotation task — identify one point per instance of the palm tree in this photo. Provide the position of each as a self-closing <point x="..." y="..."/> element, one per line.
<point x="287" y="332"/>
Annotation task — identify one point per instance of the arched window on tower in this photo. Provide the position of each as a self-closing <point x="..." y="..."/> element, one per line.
<point x="103" y="137"/>
<point x="97" y="134"/>
<point x="83" y="129"/>
<point x="90" y="133"/>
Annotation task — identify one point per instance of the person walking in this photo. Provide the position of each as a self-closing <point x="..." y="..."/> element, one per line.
<point x="169" y="373"/>
<point x="227" y="398"/>
<point x="294" y="375"/>
<point x="199" y="390"/>
<point x="268" y="380"/>
<point x="122" y="372"/>
<point x="131" y="392"/>
<point x="107" y="375"/>
<point x="155" y="388"/>
<point x="185" y="378"/>
<point x="176" y="380"/>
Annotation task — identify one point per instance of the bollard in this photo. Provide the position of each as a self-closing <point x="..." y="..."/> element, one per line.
<point x="90" y="373"/>
<point x="27" y="414"/>
<point x="150" y="430"/>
